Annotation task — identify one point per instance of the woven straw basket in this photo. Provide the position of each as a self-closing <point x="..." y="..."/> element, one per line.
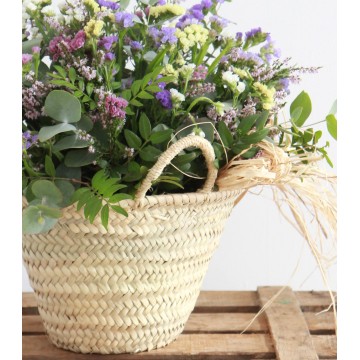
<point x="133" y="287"/>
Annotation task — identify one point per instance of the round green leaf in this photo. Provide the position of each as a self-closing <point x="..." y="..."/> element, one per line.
<point x="47" y="192"/>
<point x="77" y="158"/>
<point x="62" y="106"/>
<point x="85" y="123"/>
<point x="34" y="221"/>
<point x="67" y="191"/>
<point x="69" y="142"/>
<point x="47" y="132"/>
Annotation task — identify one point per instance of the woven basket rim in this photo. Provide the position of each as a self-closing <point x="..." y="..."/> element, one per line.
<point x="178" y="198"/>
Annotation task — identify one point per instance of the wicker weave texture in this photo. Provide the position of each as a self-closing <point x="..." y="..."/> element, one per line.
<point x="132" y="288"/>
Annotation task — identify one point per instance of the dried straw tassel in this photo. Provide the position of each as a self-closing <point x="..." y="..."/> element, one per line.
<point x="298" y="183"/>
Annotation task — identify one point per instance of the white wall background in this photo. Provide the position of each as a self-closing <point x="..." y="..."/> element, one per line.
<point x="258" y="246"/>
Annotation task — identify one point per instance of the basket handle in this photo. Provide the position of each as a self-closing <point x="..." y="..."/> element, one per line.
<point x="165" y="159"/>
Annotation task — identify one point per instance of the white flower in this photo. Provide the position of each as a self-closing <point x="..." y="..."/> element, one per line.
<point x="176" y="96"/>
<point x="48" y="10"/>
<point x="187" y="70"/>
<point x="230" y="78"/>
<point x="240" y="87"/>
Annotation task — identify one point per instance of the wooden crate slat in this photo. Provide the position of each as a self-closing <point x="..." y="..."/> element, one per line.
<point x="309" y="300"/>
<point x="313" y="300"/>
<point x="291" y="336"/>
<point x="221" y="346"/>
<point x="326" y="346"/>
<point x="228" y="322"/>
<point x="320" y="323"/>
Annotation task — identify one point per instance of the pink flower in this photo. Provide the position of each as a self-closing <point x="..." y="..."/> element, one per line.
<point x="26" y="58"/>
<point x="36" y="50"/>
<point x="115" y="106"/>
<point x="78" y="41"/>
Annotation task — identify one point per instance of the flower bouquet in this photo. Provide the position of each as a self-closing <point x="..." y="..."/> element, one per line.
<point x="142" y="128"/>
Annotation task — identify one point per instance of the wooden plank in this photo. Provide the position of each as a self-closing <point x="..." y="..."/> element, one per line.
<point x="239" y="300"/>
<point x="217" y="323"/>
<point x="326" y="346"/>
<point x="313" y="300"/>
<point x="195" y="346"/>
<point x="227" y="301"/>
<point x="291" y="336"/>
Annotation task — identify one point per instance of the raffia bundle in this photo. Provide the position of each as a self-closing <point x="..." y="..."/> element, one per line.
<point x="302" y="186"/>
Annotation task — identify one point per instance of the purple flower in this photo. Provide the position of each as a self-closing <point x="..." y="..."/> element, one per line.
<point x="197" y="12"/>
<point x="26" y="58"/>
<point x="109" y="56"/>
<point x="28" y="139"/>
<point x="136" y="45"/>
<point x="206" y="4"/>
<point x="168" y="35"/>
<point x="186" y="20"/>
<point x="161" y="2"/>
<point x="165" y="99"/>
<point x="107" y="41"/>
<point x="78" y="41"/>
<point x="163" y="36"/>
<point x="124" y="19"/>
<point x="219" y="22"/>
<point x="239" y="36"/>
<point x="284" y="84"/>
<point x="115" y="106"/>
<point x="268" y="50"/>
<point x="252" y="33"/>
<point x="109" y="4"/>
<point x="35" y="50"/>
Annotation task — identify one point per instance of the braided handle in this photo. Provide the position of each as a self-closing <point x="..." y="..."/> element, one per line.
<point x="174" y="150"/>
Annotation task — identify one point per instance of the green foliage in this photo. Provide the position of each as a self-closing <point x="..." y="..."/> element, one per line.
<point x="331" y="123"/>
<point x="63" y="107"/>
<point x="300" y="109"/>
<point x="100" y="197"/>
<point x="99" y="123"/>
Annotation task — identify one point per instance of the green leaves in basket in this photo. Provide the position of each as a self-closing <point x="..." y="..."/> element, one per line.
<point x="331" y="123"/>
<point x="63" y="107"/>
<point x="43" y="210"/>
<point x="101" y="196"/>
<point x="300" y="109"/>
<point x="36" y="221"/>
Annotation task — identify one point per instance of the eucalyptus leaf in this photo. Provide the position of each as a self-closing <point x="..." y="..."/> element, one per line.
<point x="34" y="222"/>
<point x="67" y="191"/>
<point x="47" y="132"/>
<point x="29" y="44"/>
<point x="77" y="158"/>
<point x="62" y="171"/>
<point x="62" y="106"/>
<point x="85" y="123"/>
<point x="47" y="192"/>
<point x="71" y="142"/>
